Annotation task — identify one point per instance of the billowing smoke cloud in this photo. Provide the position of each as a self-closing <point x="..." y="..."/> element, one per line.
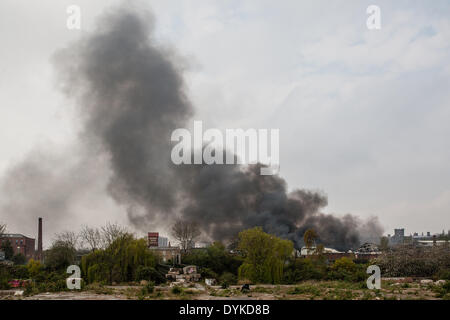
<point x="228" y="199"/>
<point x="131" y="97"/>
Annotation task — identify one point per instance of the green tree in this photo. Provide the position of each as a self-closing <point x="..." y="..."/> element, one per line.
<point x="264" y="256"/>
<point x="7" y="249"/>
<point x="19" y="259"/>
<point x="34" y="267"/>
<point x="384" y="243"/>
<point x="60" y="255"/>
<point x="215" y="260"/>
<point x="343" y="269"/>
<point x="125" y="259"/>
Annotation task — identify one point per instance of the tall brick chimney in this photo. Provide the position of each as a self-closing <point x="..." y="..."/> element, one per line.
<point x="39" y="253"/>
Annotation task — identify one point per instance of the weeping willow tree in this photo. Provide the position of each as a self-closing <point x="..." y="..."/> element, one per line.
<point x="265" y="256"/>
<point x="119" y="262"/>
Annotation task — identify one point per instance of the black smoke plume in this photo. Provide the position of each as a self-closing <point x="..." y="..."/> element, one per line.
<point x="131" y="97"/>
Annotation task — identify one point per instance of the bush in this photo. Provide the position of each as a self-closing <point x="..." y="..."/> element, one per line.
<point x="343" y="269"/>
<point x="176" y="290"/>
<point x="20" y="272"/>
<point x="208" y="273"/>
<point x="409" y="261"/>
<point x="30" y="289"/>
<point x="227" y="279"/>
<point x="305" y="269"/>
<point x="443" y="291"/>
<point x="60" y="256"/>
<point x="215" y="260"/>
<point x="34" y="267"/>
<point x="4" y="285"/>
<point x="443" y="274"/>
<point x="149" y="274"/>
<point x="19" y="259"/>
<point x="149" y="288"/>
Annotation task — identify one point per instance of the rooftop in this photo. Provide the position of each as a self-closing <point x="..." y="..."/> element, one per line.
<point x="13" y="235"/>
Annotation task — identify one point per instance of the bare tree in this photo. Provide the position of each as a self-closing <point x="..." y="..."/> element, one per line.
<point x="185" y="232"/>
<point x="310" y="238"/>
<point x="2" y="228"/>
<point x="69" y="238"/>
<point x="110" y="232"/>
<point x="91" y="237"/>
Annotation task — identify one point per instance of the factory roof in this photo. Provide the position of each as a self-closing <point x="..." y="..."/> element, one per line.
<point x="13" y="235"/>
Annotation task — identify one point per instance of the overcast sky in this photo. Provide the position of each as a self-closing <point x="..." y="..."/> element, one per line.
<point x="363" y="114"/>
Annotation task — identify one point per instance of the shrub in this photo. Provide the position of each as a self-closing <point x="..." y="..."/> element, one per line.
<point x="30" y="289"/>
<point x="4" y="285"/>
<point x="34" y="267"/>
<point x="20" y="272"/>
<point x="148" y="288"/>
<point x="342" y="269"/>
<point x="150" y="274"/>
<point x="443" y="291"/>
<point x="60" y="256"/>
<point x="19" y="259"/>
<point x="227" y="279"/>
<point x="176" y="290"/>
<point x="208" y="273"/>
<point x="443" y="274"/>
<point x="410" y="261"/>
<point x="305" y="269"/>
<point x="215" y="260"/>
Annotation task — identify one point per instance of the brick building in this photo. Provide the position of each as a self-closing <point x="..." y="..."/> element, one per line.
<point x="20" y="244"/>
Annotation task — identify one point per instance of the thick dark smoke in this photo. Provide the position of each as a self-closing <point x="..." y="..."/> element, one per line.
<point x="228" y="199"/>
<point x="131" y="98"/>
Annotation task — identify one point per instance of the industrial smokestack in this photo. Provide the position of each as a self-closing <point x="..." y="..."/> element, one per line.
<point x="40" y="239"/>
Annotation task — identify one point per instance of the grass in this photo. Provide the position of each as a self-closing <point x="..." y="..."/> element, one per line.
<point x="305" y="289"/>
<point x="98" y="288"/>
<point x="339" y="294"/>
<point x="308" y="290"/>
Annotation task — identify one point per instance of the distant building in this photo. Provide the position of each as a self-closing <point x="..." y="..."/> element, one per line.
<point x="398" y="237"/>
<point x="305" y="251"/>
<point x="20" y="244"/>
<point x="430" y="243"/>
<point x="201" y="245"/>
<point x="161" y="246"/>
<point x="168" y="254"/>
<point x="163" y="242"/>
<point x="153" y="239"/>
<point x="368" y="251"/>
